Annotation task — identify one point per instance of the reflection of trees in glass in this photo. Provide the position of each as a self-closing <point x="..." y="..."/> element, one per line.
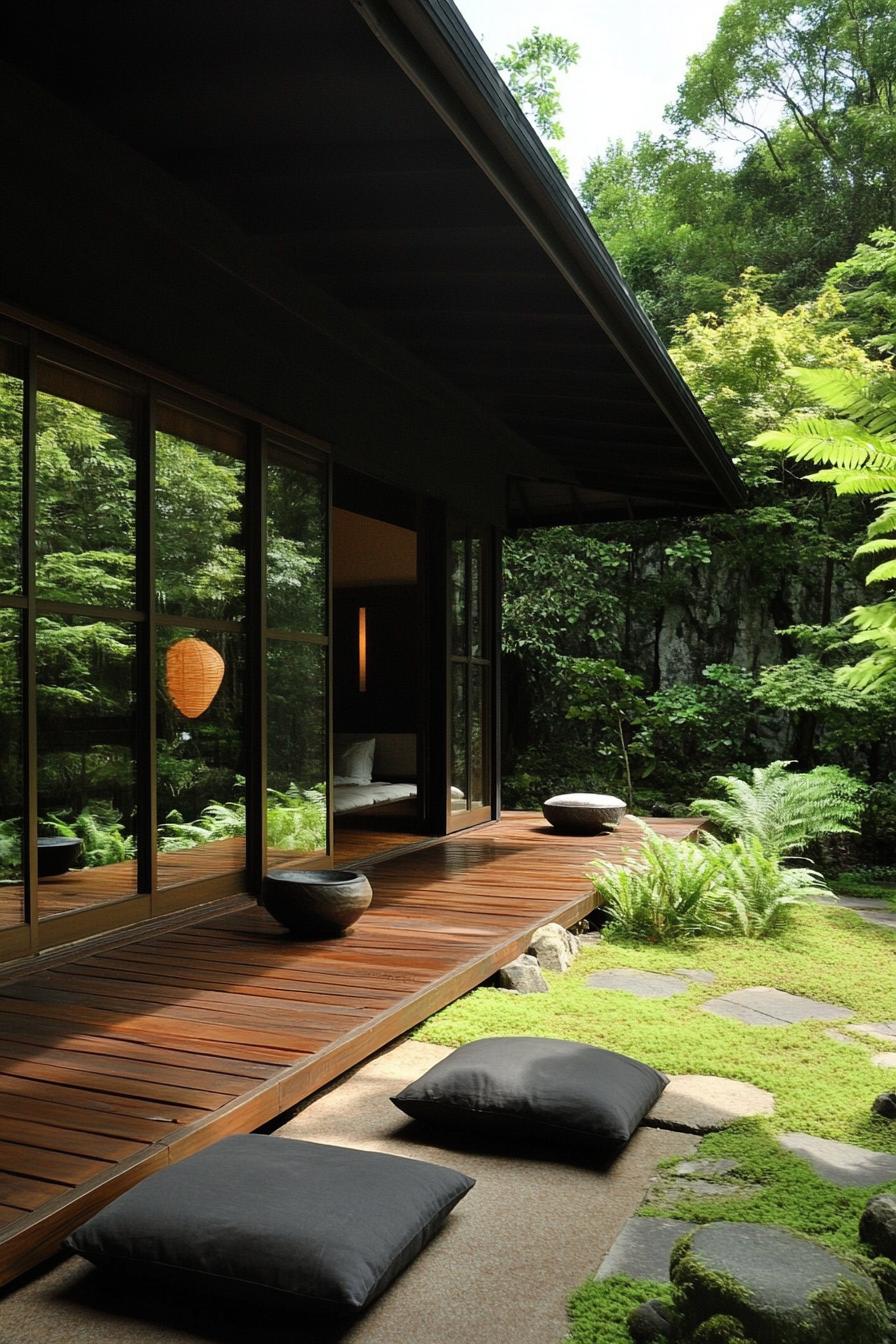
<point x="10" y="483"/>
<point x="85" y="722"/>
<point x="297" y="763"/>
<point x="199" y="500"/>
<point x="296" y="571"/>
<point x="84" y="526"/>
<point x="11" y="793"/>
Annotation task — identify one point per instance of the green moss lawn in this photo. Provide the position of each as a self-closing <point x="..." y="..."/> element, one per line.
<point x="821" y="1086"/>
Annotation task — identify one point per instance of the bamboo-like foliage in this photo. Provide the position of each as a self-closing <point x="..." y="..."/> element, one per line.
<point x="855" y="452"/>
<point x="783" y="810"/>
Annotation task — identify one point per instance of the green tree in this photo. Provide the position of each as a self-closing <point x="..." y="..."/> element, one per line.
<point x="866" y="283"/>
<point x="855" y="448"/>
<point x="531" y="67"/>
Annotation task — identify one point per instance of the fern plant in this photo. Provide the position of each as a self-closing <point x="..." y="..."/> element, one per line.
<point x="760" y="892"/>
<point x="783" y="809"/>
<point x="855" y="451"/>
<point x="670" y="891"/>
<point x="101" y="831"/>
<point x="296" y="820"/>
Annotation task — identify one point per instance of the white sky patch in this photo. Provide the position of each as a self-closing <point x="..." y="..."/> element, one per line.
<point x="633" y="57"/>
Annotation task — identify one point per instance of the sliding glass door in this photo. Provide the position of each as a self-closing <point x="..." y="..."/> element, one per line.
<point x="470" y="634"/>
<point x="164" y="648"/>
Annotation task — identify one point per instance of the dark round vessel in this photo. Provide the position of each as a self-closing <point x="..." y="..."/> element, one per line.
<point x="584" y="813"/>
<point x="316" y="904"/>
<point x="56" y="854"/>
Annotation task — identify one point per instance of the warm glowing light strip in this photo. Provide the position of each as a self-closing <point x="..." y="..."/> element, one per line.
<point x="362" y="649"/>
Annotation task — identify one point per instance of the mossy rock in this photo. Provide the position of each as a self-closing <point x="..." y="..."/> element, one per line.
<point x="779" y="1288"/>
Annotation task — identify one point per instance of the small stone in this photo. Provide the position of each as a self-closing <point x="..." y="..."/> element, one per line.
<point x="775" y="1285"/>
<point x="881" y="1031"/>
<point x="591" y="938"/>
<point x="877" y="1225"/>
<point x="699" y="1103"/>
<point x="885" y="1060"/>
<point x="885" y="1105"/>
<point x="699" y="977"/>
<point x="524" y="975"/>
<point x="643" y="984"/>
<point x="706" y="1166"/>
<point x="839" y="1036"/>
<point x="651" y="1321"/>
<point x="842" y="1163"/>
<point x="554" y="947"/>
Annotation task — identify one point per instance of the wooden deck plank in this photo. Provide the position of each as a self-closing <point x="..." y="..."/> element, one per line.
<point x="117" y="1061"/>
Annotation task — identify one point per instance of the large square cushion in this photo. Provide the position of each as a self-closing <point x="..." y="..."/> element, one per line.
<point x="276" y="1219"/>
<point x="529" y="1087"/>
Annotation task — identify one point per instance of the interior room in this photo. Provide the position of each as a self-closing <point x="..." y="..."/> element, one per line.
<point x="377" y="794"/>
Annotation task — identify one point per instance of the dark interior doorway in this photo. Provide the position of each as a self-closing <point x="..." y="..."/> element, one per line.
<point x="378" y="702"/>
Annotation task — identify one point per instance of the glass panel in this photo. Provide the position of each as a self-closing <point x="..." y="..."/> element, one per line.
<point x="10" y="475"/>
<point x="476" y="603"/>
<point x="296" y="556"/>
<point x="200" y="570"/>
<point x="85" y="771"/>
<point x="86" y="491"/>
<point x="199" y="755"/>
<point x="297" y="749"/>
<point x="12" y="794"/>
<point x="458" y="594"/>
<point x="479" y="780"/>
<point x="459" y="798"/>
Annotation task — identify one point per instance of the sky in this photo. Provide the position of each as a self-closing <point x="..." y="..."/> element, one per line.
<point x="633" y="57"/>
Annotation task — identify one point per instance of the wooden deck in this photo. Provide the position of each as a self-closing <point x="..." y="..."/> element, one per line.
<point x="116" y="1061"/>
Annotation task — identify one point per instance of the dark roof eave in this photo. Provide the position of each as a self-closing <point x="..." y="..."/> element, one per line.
<point x="433" y="44"/>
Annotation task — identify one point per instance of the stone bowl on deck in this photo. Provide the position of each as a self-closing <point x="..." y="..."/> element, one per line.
<point x="320" y="903"/>
<point x="583" y="813"/>
<point x="56" y="854"/>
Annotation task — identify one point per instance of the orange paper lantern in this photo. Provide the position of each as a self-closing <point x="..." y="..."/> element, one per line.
<point x="193" y="673"/>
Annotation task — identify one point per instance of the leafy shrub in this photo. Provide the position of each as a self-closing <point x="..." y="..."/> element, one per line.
<point x="783" y="809"/>
<point x="675" y="889"/>
<point x="101" y="831"/>
<point x="670" y="891"/>
<point x="761" y="893"/>
<point x="11" y="850"/>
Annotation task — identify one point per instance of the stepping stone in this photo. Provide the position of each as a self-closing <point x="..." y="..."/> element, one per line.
<point x="699" y="1103"/>
<point x="839" y="1036"/>
<point x="777" y="1285"/>
<point x="886" y="1060"/>
<point x="699" y="977"/>
<point x="705" y="1166"/>
<point x="643" y="1247"/>
<point x="763" y="1007"/>
<point x="673" y="1192"/>
<point x="644" y="984"/>
<point x="842" y="1163"/>
<point x="881" y="1031"/>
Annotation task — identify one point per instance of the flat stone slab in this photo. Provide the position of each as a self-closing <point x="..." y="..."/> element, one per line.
<point x="842" y="1163"/>
<point x="885" y="1060"/>
<point x="699" y="1103"/>
<point x="643" y="1247"/>
<point x="763" y="1007"/>
<point x="840" y="1037"/>
<point x="699" y="977"/>
<point x="881" y="1031"/>
<point x="643" y="984"/>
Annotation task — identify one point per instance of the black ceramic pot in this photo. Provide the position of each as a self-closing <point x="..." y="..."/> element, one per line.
<point x="316" y="904"/>
<point x="56" y="854"/>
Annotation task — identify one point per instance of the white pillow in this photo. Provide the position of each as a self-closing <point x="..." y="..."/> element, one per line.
<point x="354" y="758"/>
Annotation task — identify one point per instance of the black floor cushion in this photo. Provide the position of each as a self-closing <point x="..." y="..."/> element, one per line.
<point x="277" y="1219"/>
<point x="545" y="1090"/>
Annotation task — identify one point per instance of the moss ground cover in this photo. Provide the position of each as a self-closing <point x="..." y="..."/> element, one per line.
<point x="821" y="1085"/>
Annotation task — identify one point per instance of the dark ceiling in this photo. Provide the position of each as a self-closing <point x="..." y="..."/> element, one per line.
<point x="295" y="120"/>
